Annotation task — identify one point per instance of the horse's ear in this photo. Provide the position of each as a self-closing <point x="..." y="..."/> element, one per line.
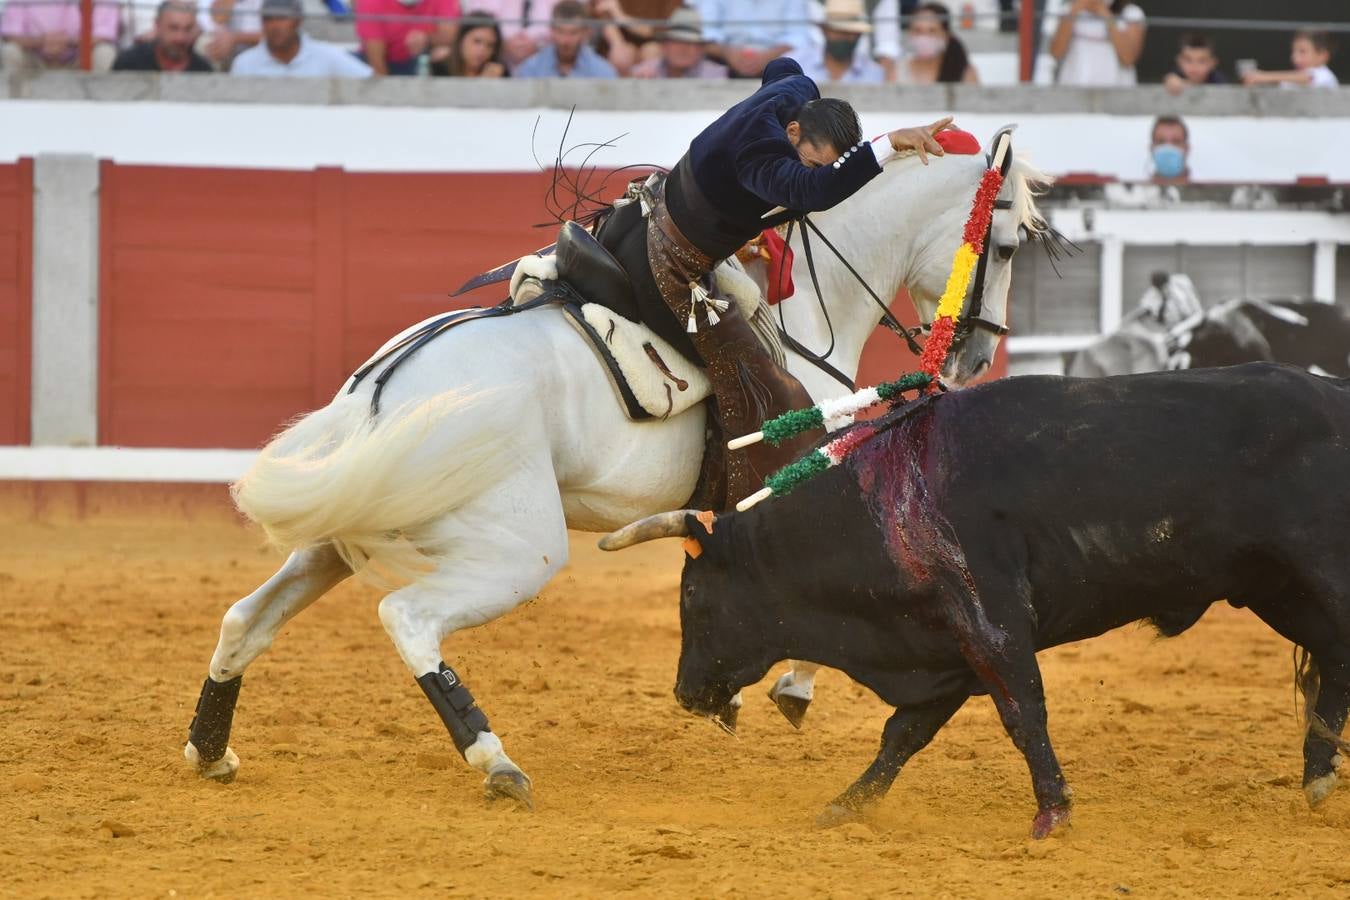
<point x="993" y="148"/>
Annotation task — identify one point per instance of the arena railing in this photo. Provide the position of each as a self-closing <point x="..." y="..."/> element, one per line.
<point x="1029" y="23"/>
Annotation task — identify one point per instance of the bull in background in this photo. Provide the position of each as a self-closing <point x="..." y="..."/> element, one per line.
<point x="981" y="526"/>
<point x="1170" y="330"/>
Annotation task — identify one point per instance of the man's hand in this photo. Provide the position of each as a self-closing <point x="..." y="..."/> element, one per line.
<point x="55" y="44"/>
<point x="416" y="42"/>
<point x="921" y="140"/>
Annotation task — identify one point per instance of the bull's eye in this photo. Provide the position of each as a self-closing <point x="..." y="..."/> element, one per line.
<point x="1006" y="251"/>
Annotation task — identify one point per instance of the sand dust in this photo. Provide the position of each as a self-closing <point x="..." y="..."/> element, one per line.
<point x="1184" y="754"/>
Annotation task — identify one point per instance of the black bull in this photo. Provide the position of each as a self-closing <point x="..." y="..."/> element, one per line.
<point x="995" y="522"/>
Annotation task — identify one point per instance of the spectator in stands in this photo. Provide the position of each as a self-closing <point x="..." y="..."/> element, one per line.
<point x="932" y="53"/>
<point x="1196" y="64"/>
<point x="619" y="35"/>
<point x="1170" y="150"/>
<point x="171" y="48"/>
<point x="1097" y="44"/>
<point x="395" y="34"/>
<point x="523" y="24"/>
<point x="570" y="54"/>
<point x="843" y="60"/>
<point x="682" y="50"/>
<point x="45" y="34"/>
<point x="477" y="52"/>
<point x="286" y="52"/>
<point x="748" y="34"/>
<point x="1310" y="53"/>
<point x="228" y="28"/>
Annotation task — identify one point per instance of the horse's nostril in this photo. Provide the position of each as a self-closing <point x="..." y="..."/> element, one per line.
<point x="980" y="368"/>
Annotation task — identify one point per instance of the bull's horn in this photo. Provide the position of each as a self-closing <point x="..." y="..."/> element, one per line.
<point x="661" y="525"/>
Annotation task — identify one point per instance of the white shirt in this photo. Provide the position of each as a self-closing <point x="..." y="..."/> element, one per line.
<point x="244" y="17"/>
<point x="315" y="59"/>
<point x="1322" y="77"/>
<point x="1091" y="59"/>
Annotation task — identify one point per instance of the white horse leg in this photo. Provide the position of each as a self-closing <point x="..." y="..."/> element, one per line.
<point x="248" y="629"/>
<point x="793" y="690"/>
<point x="502" y="549"/>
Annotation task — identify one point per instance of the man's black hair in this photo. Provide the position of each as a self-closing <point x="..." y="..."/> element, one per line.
<point x="829" y="122"/>
<point x="1171" y="120"/>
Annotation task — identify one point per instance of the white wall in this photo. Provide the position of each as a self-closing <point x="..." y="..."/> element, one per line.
<point x="389" y="138"/>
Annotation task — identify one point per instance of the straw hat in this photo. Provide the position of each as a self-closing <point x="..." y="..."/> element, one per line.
<point x="684" y="26"/>
<point x="846" y="15"/>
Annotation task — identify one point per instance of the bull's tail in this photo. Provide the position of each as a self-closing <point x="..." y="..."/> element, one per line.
<point x="339" y="476"/>
<point x="1307" y="685"/>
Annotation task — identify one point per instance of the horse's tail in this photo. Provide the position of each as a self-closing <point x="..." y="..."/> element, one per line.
<point x="367" y="485"/>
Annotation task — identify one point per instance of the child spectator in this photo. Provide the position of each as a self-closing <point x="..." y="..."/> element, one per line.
<point x="395" y="33"/>
<point x="1097" y="44"/>
<point x="286" y="52"/>
<point x="228" y="27"/>
<point x="1310" y="52"/>
<point x="170" y="50"/>
<point x="477" y="52"/>
<point x="570" y="54"/>
<point x="45" y="34"/>
<point x="932" y="53"/>
<point x="1196" y="64"/>
<point x="682" y="50"/>
<point x="842" y="60"/>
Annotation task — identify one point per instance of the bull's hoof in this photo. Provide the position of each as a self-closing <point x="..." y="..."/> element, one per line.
<point x="835" y="815"/>
<point x="222" y="770"/>
<point x="509" y="784"/>
<point x="1049" y="820"/>
<point x="728" y="718"/>
<point x="1319" y="789"/>
<point x="791" y="706"/>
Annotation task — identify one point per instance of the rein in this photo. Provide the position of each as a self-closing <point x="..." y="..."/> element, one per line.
<point x="970" y="316"/>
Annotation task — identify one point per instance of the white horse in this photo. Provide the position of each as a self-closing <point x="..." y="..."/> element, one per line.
<point x="500" y="435"/>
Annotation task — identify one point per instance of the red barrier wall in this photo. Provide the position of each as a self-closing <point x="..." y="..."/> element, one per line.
<point x="232" y="300"/>
<point x="16" y="300"/>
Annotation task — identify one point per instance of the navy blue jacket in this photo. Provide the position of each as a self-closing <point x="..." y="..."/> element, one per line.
<point x="744" y="164"/>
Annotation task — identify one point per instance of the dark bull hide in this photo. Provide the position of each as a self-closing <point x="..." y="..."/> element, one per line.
<point x="990" y="523"/>
<point x="1304" y="333"/>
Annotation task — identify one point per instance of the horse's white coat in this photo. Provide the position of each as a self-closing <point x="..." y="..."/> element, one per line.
<point x="570" y="457"/>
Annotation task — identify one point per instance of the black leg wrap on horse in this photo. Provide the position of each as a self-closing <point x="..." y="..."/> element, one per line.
<point x="210" y="728"/>
<point x="455" y="705"/>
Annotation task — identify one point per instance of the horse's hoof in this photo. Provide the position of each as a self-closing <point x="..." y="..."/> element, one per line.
<point x="834" y="815"/>
<point x="1319" y="789"/>
<point x="1048" y="820"/>
<point x="509" y="784"/>
<point x="791" y="706"/>
<point x="222" y="770"/>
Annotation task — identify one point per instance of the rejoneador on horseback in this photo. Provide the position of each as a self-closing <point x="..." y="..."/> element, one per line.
<point x="455" y="460"/>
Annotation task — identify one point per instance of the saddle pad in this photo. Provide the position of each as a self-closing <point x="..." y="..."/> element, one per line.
<point x="662" y="381"/>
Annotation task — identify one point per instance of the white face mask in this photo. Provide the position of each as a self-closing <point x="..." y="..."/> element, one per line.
<point x="925" y="46"/>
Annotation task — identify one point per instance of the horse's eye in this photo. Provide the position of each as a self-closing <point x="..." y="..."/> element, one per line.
<point x="1006" y="251"/>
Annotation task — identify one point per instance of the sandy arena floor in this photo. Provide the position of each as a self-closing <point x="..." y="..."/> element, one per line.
<point x="1184" y="754"/>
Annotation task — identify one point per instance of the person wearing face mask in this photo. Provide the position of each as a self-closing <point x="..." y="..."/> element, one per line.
<point x="843" y="60"/>
<point x="1169" y="150"/>
<point x="932" y="53"/>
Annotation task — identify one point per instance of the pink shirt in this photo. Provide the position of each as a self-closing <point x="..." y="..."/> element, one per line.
<point x="509" y="14"/>
<point x="26" y="18"/>
<point x="395" y="33"/>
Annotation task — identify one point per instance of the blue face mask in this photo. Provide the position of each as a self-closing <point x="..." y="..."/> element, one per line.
<point x="1169" y="160"/>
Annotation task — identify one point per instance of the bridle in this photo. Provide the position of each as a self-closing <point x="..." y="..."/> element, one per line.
<point x="970" y="320"/>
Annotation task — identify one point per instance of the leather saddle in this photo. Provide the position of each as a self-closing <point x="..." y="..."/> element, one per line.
<point x="592" y="271"/>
